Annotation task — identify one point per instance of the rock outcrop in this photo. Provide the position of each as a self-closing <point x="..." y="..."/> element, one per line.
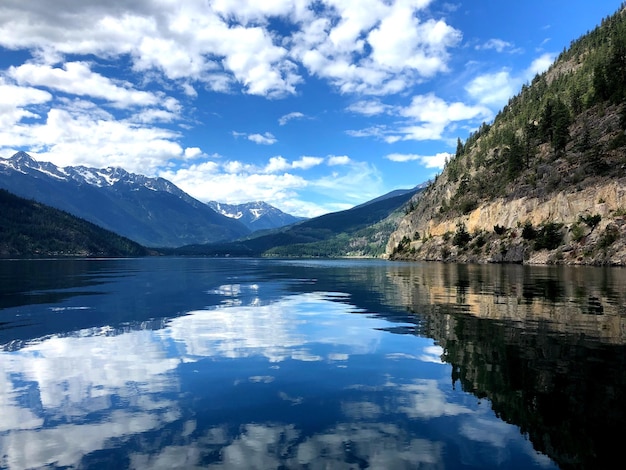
<point x="546" y="181"/>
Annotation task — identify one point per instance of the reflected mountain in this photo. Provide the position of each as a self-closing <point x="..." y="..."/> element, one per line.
<point x="261" y="377"/>
<point x="545" y="346"/>
<point x="184" y="363"/>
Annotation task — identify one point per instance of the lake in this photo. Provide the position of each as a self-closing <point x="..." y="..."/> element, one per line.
<point x="280" y="364"/>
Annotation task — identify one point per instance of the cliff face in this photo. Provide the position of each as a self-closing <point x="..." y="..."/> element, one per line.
<point x="604" y="243"/>
<point x="546" y="181"/>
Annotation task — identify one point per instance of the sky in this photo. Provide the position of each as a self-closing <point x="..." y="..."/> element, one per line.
<point x="313" y="106"/>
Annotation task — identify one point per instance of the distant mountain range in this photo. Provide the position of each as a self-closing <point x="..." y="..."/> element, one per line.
<point x="151" y="211"/>
<point x="155" y="213"/>
<point x="255" y="215"/>
<point x="360" y="231"/>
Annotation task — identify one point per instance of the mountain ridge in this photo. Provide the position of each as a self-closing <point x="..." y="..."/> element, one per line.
<point x="545" y="182"/>
<point x="31" y="229"/>
<point x="360" y="231"/>
<point x="256" y="215"/>
<point x="151" y="211"/>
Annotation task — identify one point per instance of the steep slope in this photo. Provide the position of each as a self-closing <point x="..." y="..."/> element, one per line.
<point x="28" y="228"/>
<point x="151" y="211"/>
<point x="546" y="181"/>
<point x="256" y="216"/>
<point x="333" y="234"/>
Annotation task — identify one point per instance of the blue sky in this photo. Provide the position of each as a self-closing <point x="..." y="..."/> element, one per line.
<point x="312" y="106"/>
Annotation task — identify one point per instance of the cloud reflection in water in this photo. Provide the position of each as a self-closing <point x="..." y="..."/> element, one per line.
<point x="65" y="397"/>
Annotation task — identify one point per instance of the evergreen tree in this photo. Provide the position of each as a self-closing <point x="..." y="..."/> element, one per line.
<point x="561" y="122"/>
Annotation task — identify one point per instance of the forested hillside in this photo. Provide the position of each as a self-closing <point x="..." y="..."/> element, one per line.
<point x="360" y="231"/>
<point x="28" y="228"/>
<point x="546" y="180"/>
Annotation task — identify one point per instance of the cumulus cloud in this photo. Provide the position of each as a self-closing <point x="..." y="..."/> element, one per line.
<point x="281" y="182"/>
<point x="495" y="89"/>
<point x="263" y="139"/>
<point x="278" y="164"/>
<point x="77" y="78"/>
<point x="289" y="117"/>
<point x="393" y="46"/>
<point x="499" y="45"/>
<point x="427" y="117"/>
<point x="17" y="103"/>
<point x="266" y="138"/>
<point x="338" y="160"/>
<point x="82" y="135"/>
<point x="120" y="83"/>
<point x="305" y="162"/>
<point x="369" y="107"/>
<point x="540" y="65"/>
<point x="228" y="44"/>
<point x="429" y="161"/>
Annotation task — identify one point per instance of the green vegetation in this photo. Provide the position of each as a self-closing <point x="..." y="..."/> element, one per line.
<point x="549" y="236"/>
<point x="591" y="220"/>
<point x="361" y="231"/>
<point x="29" y="229"/>
<point x="548" y="136"/>
<point x="563" y="133"/>
<point x="461" y="236"/>
<point x="610" y="236"/>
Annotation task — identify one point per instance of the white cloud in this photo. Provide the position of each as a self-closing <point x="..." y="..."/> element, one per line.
<point x="307" y="162"/>
<point x="402" y="157"/>
<point x="540" y="65"/>
<point x="263" y="139"/>
<point x="181" y="41"/>
<point x="374" y="47"/>
<point x="76" y="78"/>
<point x="83" y="135"/>
<point x="359" y="182"/>
<point x="236" y="183"/>
<point x="401" y="41"/>
<point x="277" y="164"/>
<point x="266" y="138"/>
<point x="429" y="161"/>
<point x="427" y="117"/>
<point x="192" y="153"/>
<point x="499" y="45"/>
<point x="348" y="184"/>
<point x="338" y="160"/>
<point x="369" y="107"/>
<point x="16" y="103"/>
<point x="289" y="117"/>
<point x="493" y="89"/>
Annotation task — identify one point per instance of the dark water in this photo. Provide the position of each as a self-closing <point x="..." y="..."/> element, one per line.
<point x="230" y="363"/>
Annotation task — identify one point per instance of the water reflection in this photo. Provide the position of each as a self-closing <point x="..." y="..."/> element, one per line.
<point x="296" y="383"/>
<point x="315" y="365"/>
<point x="546" y="346"/>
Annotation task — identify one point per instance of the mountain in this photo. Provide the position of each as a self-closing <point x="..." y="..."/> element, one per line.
<point x="151" y="211"/>
<point x="397" y="192"/>
<point x="28" y="228"/>
<point x="545" y="182"/>
<point x="360" y="231"/>
<point x="255" y="215"/>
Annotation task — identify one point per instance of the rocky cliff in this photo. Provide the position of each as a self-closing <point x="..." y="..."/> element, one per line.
<point x="546" y="181"/>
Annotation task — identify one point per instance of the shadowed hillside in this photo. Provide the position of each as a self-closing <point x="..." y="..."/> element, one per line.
<point x="28" y="228"/>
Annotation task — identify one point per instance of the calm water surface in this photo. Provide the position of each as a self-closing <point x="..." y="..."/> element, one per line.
<point x="271" y="364"/>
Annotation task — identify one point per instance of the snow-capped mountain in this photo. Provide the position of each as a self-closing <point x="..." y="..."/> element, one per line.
<point x="151" y="211"/>
<point x="257" y="215"/>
